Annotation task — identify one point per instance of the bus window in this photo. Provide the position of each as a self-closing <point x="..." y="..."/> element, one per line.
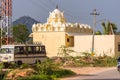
<point x="37" y="49"/>
<point x="29" y="49"/>
<point x="2" y="50"/>
<point x="33" y="49"/>
<point x="42" y="49"/>
<point x="19" y="50"/>
<point x="24" y="49"/>
<point x="6" y="50"/>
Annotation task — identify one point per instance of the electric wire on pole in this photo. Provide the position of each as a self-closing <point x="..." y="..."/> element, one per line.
<point x="94" y="13"/>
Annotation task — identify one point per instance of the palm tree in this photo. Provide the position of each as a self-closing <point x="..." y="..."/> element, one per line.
<point x="109" y="28"/>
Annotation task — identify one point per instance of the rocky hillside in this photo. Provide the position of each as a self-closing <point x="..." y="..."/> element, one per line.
<point x="26" y="20"/>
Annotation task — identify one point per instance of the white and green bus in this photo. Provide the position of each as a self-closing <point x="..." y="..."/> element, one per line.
<point x="22" y="53"/>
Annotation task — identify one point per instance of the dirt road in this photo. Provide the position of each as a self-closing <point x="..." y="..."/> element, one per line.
<point x="87" y="71"/>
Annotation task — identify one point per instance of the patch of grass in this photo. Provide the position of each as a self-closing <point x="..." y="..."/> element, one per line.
<point x="105" y="61"/>
<point x="63" y="73"/>
<point x="37" y="77"/>
<point x="100" y="61"/>
<point x="55" y="75"/>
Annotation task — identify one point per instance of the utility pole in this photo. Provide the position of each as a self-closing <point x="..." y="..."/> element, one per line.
<point x="94" y="13"/>
<point x="1" y="31"/>
<point x="1" y="26"/>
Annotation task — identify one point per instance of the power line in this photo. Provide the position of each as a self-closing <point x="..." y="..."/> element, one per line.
<point x="48" y="6"/>
<point x="43" y="4"/>
<point x="38" y="5"/>
<point x="67" y="12"/>
<point x="52" y="2"/>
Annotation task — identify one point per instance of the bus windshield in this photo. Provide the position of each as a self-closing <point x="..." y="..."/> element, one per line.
<point x="6" y="50"/>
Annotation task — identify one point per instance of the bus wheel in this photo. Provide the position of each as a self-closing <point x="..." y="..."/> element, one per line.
<point x="19" y="62"/>
<point x="37" y="61"/>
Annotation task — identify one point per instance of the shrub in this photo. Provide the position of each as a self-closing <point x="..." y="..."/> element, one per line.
<point x="100" y="61"/>
<point x="49" y="68"/>
<point x="106" y="61"/>
<point x="62" y="73"/>
<point x="46" y="67"/>
<point x="54" y="76"/>
<point x="13" y="65"/>
<point x="37" y="77"/>
<point x="24" y="65"/>
<point x="2" y="73"/>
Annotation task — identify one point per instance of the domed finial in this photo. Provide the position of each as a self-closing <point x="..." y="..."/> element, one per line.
<point x="56" y="6"/>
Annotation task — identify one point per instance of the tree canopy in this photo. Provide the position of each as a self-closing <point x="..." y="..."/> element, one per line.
<point x="20" y="33"/>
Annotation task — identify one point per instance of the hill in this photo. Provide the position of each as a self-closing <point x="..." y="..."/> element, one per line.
<point x="26" y="20"/>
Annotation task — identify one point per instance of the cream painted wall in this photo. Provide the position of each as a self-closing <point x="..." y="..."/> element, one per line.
<point x="104" y="44"/>
<point x="51" y="40"/>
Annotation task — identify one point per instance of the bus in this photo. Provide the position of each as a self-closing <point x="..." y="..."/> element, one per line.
<point x="22" y="53"/>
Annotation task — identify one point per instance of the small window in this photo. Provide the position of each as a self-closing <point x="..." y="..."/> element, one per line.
<point x="68" y="40"/>
<point x="118" y="47"/>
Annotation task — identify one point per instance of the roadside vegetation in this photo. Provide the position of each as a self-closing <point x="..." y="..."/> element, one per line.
<point x="54" y="68"/>
<point x="46" y="70"/>
<point x="86" y="60"/>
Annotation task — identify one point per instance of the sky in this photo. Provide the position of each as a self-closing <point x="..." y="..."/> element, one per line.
<point x="74" y="10"/>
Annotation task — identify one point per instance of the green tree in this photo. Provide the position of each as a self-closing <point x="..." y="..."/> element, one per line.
<point x="98" y="33"/>
<point x="109" y="28"/>
<point x="20" y="33"/>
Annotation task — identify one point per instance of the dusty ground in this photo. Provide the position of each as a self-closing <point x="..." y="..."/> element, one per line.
<point x="13" y="75"/>
<point x="88" y="70"/>
<point x="16" y="73"/>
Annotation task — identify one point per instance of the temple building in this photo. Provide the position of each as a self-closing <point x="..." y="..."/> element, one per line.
<point x="57" y="32"/>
